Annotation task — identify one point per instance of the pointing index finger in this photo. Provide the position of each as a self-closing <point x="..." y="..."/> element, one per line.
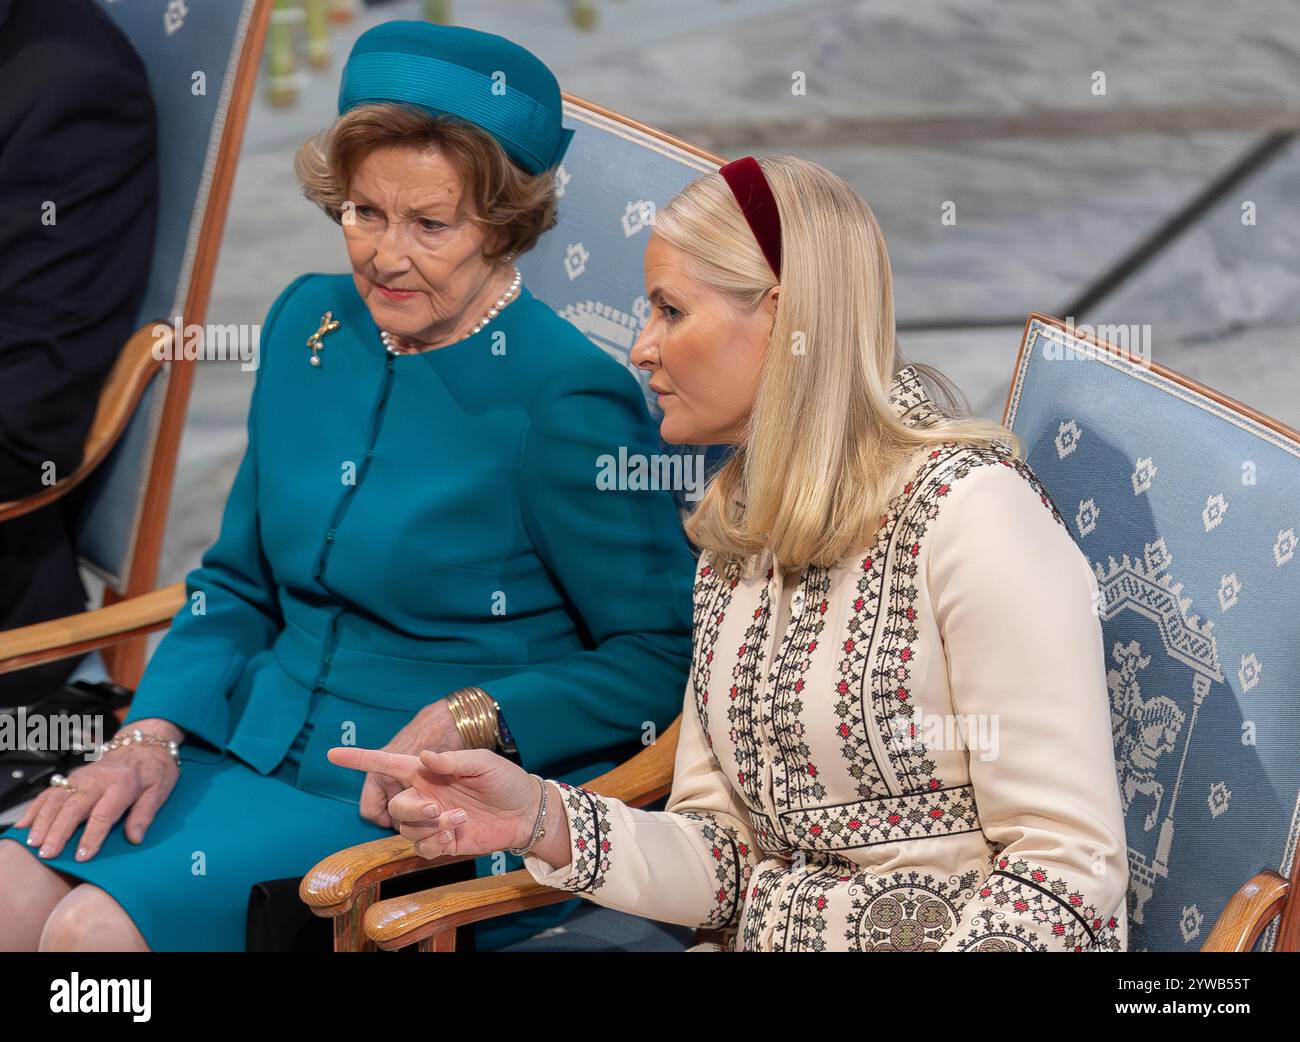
<point x="375" y="761"/>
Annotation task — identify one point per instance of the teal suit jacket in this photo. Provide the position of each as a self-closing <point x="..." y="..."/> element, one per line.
<point x="404" y="526"/>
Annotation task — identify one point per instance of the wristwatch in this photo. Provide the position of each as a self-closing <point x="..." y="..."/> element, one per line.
<point x="505" y="740"/>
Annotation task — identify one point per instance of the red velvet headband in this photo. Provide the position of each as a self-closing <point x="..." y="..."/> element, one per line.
<point x="758" y="204"/>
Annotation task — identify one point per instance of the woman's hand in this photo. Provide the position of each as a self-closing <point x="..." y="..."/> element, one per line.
<point x="470" y="802"/>
<point x="137" y="776"/>
<point x="431" y="728"/>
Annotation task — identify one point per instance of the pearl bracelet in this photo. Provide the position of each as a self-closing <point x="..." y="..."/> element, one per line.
<point x="138" y="737"/>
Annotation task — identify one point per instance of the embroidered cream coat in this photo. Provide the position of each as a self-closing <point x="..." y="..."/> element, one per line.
<point x="919" y="759"/>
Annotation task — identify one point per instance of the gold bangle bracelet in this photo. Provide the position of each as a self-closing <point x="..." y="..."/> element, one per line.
<point x="453" y="707"/>
<point x="464" y="722"/>
<point x="485" y="715"/>
<point x="471" y="734"/>
<point x="474" y="713"/>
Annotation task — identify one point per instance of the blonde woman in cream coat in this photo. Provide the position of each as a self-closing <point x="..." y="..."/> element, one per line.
<point x="896" y="731"/>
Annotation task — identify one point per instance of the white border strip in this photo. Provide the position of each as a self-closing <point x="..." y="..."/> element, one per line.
<point x="1039" y="329"/>
<point x="637" y="137"/>
<point x="215" y="139"/>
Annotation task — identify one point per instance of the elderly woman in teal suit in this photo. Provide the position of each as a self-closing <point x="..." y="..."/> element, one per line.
<point x="415" y="552"/>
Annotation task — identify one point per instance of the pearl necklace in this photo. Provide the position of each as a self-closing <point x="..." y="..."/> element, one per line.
<point x="390" y="341"/>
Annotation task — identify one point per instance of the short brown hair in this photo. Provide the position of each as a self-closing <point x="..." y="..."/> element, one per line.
<point x="515" y="204"/>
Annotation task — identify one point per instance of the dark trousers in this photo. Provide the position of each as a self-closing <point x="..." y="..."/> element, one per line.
<point x="38" y="581"/>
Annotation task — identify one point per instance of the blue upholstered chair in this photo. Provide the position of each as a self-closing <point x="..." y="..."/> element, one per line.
<point x="1187" y="505"/>
<point x="589" y="268"/>
<point x="202" y="62"/>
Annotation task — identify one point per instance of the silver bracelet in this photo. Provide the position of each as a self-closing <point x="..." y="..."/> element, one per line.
<point x="138" y="737"/>
<point x="539" y="826"/>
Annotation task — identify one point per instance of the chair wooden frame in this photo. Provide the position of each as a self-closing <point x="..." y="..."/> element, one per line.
<point x="125" y="386"/>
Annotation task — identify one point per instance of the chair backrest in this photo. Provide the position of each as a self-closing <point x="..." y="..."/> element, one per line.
<point x="1187" y="505"/>
<point x="201" y="60"/>
<point x="615" y="176"/>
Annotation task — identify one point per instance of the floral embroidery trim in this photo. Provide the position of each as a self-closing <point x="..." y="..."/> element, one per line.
<point x="733" y="861"/>
<point x="1001" y="935"/>
<point x="910" y="401"/>
<point x="713" y="592"/>
<point x="916" y="815"/>
<point x="755" y="927"/>
<point x="912" y="912"/>
<point x="860" y="628"/>
<point x="1025" y="471"/>
<point x="743" y="723"/>
<point x="895" y="552"/>
<point x="589" y="827"/>
<point x="1028" y="892"/>
<point x="770" y="839"/>
<point x="894" y="711"/>
<point x="795" y="777"/>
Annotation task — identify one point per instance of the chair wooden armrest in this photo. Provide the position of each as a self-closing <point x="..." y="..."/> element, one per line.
<point x="430" y="917"/>
<point x="1249" y="911"/>
<point x="345" y="885"/>
<point x="101" y="628"/>
<point x="136" y="365"/>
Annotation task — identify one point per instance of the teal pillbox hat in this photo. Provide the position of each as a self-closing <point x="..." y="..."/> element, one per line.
<point x="479" y="77"/>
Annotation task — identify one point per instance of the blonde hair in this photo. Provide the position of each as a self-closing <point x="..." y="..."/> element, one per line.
<point x="516" y="205"/>
<point x="823" y="451"/>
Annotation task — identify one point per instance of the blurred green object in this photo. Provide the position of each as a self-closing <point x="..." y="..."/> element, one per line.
<point x="284" y="78"/>
<point x="281" y="56"/>
<point x="318" y="32"/>
<point x="438" y="11"/>
<point x="583" y="14"/>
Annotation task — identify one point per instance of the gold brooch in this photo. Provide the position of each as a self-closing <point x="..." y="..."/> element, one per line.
<point x="328" y="323"/>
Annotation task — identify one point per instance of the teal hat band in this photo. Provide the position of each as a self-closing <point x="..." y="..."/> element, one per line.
<point x="530" y="131"/>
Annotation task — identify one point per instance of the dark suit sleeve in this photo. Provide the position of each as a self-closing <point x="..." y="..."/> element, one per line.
<point x="78" y="207"/>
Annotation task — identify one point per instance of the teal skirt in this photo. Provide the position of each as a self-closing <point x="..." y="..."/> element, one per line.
<point x="224" y="828"/>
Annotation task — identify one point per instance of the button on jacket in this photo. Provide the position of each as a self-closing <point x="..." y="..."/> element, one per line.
<point x="908" y="751"/>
